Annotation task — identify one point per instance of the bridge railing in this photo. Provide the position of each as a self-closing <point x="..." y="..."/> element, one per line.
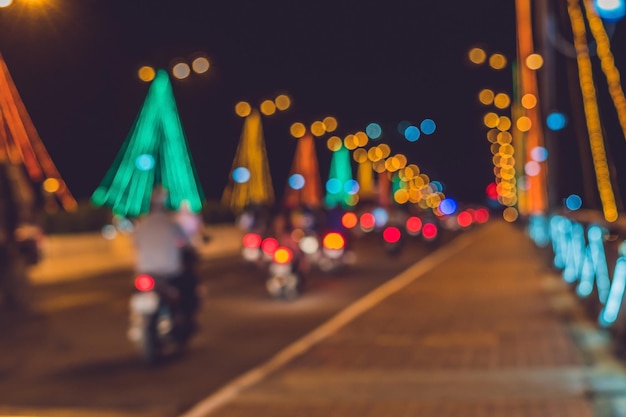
<point x="591" y="257"/>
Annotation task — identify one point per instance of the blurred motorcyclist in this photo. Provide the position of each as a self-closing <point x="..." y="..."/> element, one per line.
<point x="164" y="250"/>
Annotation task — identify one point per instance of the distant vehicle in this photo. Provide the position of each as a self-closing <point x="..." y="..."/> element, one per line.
<point x="285" y="278"/>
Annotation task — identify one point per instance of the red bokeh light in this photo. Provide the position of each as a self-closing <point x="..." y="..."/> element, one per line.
<point x="144" y="282"/>
<point x="367" y="221"/>
<point x="391" y="234"/>
<point x="429" y="231"/>
<point x="482" y="215"/>
<point x="252" y="240"/>
<point x="269" y="245"/>
<point x="413" y="224"/>
<point x="492" y="191"/>
<point x="464" y="219"/>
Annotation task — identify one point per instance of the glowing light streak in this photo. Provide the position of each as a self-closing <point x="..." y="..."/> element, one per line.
<point x="251" y="180"/>
<point x="592" y="115"/>
<point x="157" y="131"/>
<point x="534" y="199"/>
<point x="20" y="142"/>
<point x="611" y="309"/>
<point x="608" y="63"/>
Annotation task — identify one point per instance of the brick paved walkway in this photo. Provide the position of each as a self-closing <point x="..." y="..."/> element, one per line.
<point x="481" y="333"/>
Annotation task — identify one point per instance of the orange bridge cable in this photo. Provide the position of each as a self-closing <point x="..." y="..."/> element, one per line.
<point x="23" y="133"/>
<point x="537" y="183"/>
<point x="592" y="115"/>
<point x="607" y="63"/>
<point x="17" y="132"/>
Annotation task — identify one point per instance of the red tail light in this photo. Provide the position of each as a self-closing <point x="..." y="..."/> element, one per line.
<point x="391" y="234"/>
<point x="429" y="231"/>
<point x="413" y="225"/>
<point x="464" y="219"/>
<point x="252" y="240"/>
<point x="333" y="240"/>
<point x="144" y="282"/>
<point x="282" y="255"/>
<point x="269" y="245"/>
<point x="367" y="221"/>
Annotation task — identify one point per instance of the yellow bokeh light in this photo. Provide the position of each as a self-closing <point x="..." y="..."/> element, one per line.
<point x="534" y="61"/>
<point x="318" y="128"/>
<point x="350" y="142"/>
<point x="506" y="150"/>
<point x="330" y="123"/>
<point x="492" y="135"/>
<point x="504" y="138"/>
<point x="497" y="61"/>
<point x="510" y="214"/>
<point x="243" y="109"/>
<point x="504" y="123"/>
<point x="200" y="65"/>
<point x="385" y="149"/>
<point x="361" y="138"/>
<point x="297" y="130"/>
<point x="51" y="185"/>
<point x="491" y="119"/>
<point x="334" y="143"/>
<point x="486" y="96"/>
<point x="146" y="73"/>
<point x="181" y="70"/>
<point x="529" y="101"/>
<point x="477" y="56"/>
<point x="502" y="100"/>
<point x="524" y="124"/>
<point x="282" y="102"/>
<point x="5" y="3"/>
<point x="379" y="166"/>
<point x="392" y="164"/>
<point x="401" y="196"/>
<point x="375" y="154"/>
<point x="360" y="155"/>
<point x="268" y="107"/>
<point x="402" y="161"/>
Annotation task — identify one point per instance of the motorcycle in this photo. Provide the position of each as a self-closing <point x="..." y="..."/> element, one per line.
<point x="158" y="323"/>
<point x="285" y="279"/>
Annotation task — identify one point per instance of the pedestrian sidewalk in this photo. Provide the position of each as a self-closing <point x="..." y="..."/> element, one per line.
<point x="70" y="257"/>
<point x="481" y="327"/>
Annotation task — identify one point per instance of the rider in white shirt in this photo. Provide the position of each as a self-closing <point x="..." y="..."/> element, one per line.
<point x="159" y="241"/>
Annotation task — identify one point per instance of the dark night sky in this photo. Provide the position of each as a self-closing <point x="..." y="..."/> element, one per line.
<point x="75" y="62"/>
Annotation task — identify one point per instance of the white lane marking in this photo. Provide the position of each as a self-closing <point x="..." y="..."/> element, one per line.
<point x="232" y="389"/>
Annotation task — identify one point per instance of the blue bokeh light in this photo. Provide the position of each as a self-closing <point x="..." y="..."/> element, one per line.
<point x="351" y="187"/>
<point x="610" y="10"/>
<point x="412" y="133"/>
<point x="144" y="162"/>
<point x="296" y="181"/>
<point x="402" y="126"/>
<point x="573" y="202"/>
<point x="333" y="185"/>
<point x="241" y="175"/>
<point x="539" y="153"/>
<point x="373" y="131"/>
<point x="380" y="216"/>
<point x="448" y="206"/>
<point x="556" y="121"/>
<point x="438" y="185"/>
<point x="428" y="126"/>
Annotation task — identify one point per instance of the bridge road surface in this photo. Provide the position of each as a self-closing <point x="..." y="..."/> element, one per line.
<point x="480" y="328"/>
<point x="70" y="356"/>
